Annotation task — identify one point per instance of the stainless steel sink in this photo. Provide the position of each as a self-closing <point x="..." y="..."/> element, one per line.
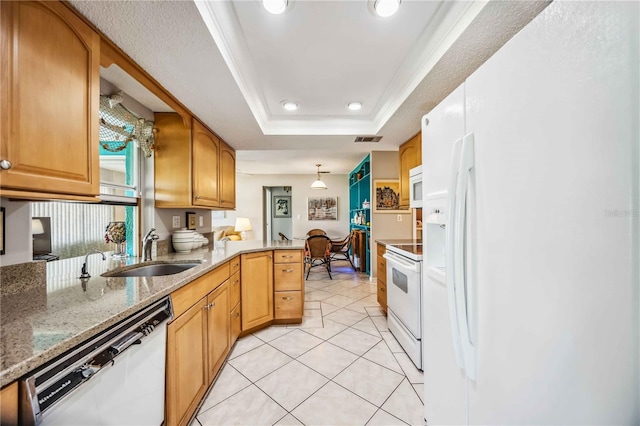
<point x="154" y="270"/>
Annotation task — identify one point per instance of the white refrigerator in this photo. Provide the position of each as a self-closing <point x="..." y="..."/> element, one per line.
<point x="530" y="195"/>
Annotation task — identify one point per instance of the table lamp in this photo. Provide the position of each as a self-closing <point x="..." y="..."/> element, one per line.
<point x="242" y="225"/>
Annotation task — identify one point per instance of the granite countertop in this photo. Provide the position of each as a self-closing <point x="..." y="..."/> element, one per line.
<point x="41" y="321"/>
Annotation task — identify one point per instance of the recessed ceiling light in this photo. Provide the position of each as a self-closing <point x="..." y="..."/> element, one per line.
<point x="289" y="106"/>
<point x="275" y="6"/>
<point x="386" y="8"/>
<point x="354" y="106"/>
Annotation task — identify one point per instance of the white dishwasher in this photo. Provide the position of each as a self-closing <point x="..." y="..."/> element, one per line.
<point x="115" y="378"/>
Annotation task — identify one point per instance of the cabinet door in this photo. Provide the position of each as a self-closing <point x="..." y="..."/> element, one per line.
<point x="218" y="327"/>
<point x="236" y="324"/>
<point x="49" y="99"/>
<point x="187" y="378"/>
<point x="204" y="157"/>
<point x="256" y="274"/>
<point x="9" y="404"/>
<point x="410" y="154"/>
<point x="227" y="177"/>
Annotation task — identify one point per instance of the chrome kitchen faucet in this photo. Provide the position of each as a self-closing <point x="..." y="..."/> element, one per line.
<point x="85" y="273"/>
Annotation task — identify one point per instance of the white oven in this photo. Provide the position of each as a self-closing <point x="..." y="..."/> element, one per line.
<point x="415" y="188"/>
<point x="404" y="297"/>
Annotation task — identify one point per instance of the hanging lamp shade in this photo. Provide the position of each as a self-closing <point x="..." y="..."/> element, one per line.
<point x="318" y="183"/>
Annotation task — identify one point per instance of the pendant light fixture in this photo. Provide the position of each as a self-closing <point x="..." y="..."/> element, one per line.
<point x="318" y="184"/>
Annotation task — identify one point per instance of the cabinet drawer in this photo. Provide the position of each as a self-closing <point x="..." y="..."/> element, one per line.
<point x="287" y="256"/>
<point x="185" y="297"/>
<point x="234" y="287"/>
<point x="236" y="324"/>
<point x="234" y="265"/>
<point x="288" y="304"/>
<point x="287" y="276"/>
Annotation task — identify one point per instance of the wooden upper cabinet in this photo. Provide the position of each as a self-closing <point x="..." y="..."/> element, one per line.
<point x="49" y="100"/>
<point x="193" y="167"/>
<point x="410" y="154"/>
<point x="227" y="175"/>
<point x="205" y="158"/>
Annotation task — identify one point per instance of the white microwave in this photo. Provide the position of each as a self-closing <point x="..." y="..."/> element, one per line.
<point x="415" y="188"/>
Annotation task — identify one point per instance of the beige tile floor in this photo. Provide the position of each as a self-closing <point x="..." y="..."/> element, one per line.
<point x="341" y="366"/>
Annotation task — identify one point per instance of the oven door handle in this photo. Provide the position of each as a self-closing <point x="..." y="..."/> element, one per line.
<point x="402" y="262"/>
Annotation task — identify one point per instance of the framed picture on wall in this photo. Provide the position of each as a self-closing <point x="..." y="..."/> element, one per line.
<point x="387" y="196"/>
<point x="281" y="206"/>
<point x="322" y="208"/>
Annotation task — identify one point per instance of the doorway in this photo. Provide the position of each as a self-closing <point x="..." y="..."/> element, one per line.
<point x="277" y="212"/>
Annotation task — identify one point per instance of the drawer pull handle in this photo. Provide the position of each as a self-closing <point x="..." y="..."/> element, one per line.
<point x="382" y="289"/>
<point x="210" y="305"/>
<point x="5" y="164"/>
<point x="288" y="256"/>
<point x="236" y="282"/>
<point x="287" y="297"/>
<point x="235" y="265"/>
<point x="237" y="315"/>
<point x="287" y="270"/>
<point x="197" y="197"/>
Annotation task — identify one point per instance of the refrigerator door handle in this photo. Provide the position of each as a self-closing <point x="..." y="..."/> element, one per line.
<point x="463" y="277"/>
<point x="449" y="254"/>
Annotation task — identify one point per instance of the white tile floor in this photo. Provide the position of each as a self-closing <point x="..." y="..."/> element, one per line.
<point x="341" y="366"/>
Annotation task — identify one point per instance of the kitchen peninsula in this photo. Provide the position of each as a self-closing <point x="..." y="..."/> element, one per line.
<point x="47" y="317"/>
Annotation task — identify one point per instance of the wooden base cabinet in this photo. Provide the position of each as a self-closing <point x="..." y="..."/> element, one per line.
<point x="382" y="277"/>
<point x="49" y="101"/>
<point x="9" y="405"/>
<point x="288" y="276"/>
<point x="257" y="289"/>
<point x="198" y="341"/>
<point x="187" y="364"/>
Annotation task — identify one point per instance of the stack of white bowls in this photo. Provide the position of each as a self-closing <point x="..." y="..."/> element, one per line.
<point x="183" y="240"/>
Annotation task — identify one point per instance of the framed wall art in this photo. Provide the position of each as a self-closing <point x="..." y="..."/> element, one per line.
<point x="322" y="208"/>
<point x="387" y="196"/>
<point x="281" y="206"/>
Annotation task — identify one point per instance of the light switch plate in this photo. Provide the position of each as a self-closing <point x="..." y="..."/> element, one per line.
<point x="200" y="221"/>
<point x="176" y="221"/>
<point x="399" y="218"/>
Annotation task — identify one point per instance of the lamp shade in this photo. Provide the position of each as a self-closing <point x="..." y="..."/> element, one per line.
<point x="318" y="184"/>
<point x="242" y="224"/>
<point x="36" y="227"/>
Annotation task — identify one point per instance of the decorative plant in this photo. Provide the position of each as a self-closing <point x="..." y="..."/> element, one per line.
<point x="116" y="232"/>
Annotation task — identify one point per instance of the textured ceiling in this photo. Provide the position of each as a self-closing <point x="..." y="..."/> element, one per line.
<point x="170" y="40"/>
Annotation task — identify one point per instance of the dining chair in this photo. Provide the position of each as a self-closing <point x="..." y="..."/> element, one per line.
<point x="317" y="253"/>
<point x="340" y="250"/>
<point x="316" y="231"/>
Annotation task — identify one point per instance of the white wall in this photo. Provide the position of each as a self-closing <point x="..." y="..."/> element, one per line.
<point x="17" y="232"/>
<point x="249" y="201"/>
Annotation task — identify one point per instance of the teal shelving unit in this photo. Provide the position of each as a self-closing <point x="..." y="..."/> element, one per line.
<point x="359" y="192"/>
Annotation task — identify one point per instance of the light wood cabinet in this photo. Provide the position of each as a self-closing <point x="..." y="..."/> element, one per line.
<point x="219" y="327"/>
<point x="49" y="101"/>
<point x="227" y="176"/>
<point x="382" y="277"/>
<point x="256" y="289"/>
<point x="187" y="364"/>
<point x="410" y="154"/>
<point x="9" y="404"/>
<point x="236" y="323"/>
<point x="288" y="275"/>
<point x="193" y="167"/>
<point x="198" y="341"/>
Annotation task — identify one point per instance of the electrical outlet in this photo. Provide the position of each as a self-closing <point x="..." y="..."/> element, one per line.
<point x="399" y="218"/>
<point x="200" y="221"/>
<point x="176" y="221"/>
